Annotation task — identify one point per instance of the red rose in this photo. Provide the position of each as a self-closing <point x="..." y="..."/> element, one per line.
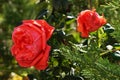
<point x="89" y="21"/>
<point x="30" y="43"/>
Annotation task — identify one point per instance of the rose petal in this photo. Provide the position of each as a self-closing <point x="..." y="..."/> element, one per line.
<point x="43" y="62"/>
<point x="48" y="29"/>
<point x="14" y="50"/>
<point x="27" y="21"/>
<point x="24" y="63"/>
<point x="81" y="27"/>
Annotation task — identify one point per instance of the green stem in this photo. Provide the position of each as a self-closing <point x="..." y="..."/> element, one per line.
<point x="107" y="52"/>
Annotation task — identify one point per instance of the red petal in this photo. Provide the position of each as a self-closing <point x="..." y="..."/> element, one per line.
<point x="24" y="63"/>
<point x="28" y="21"/>
<point x="48" y="29"/>
<point x="82" y="28"/>
<point x="103" y="20"/>
<point x="43" y="62"/>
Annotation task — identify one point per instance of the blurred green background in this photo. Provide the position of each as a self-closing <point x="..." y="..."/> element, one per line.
<point x="68" y="48"/>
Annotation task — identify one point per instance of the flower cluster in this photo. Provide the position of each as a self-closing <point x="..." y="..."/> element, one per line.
<point x="30" y="46"/>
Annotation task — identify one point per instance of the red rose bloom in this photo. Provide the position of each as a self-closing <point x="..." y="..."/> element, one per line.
<point x="30" y="43"/>
<point x="89" y="21"/>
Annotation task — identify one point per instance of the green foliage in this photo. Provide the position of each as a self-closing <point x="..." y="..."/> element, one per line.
<point x="90" y="65"/>
<point x="71" y="57"/>
<point x="112" y="11"/>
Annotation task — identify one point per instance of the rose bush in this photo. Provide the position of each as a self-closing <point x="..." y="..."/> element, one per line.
<point x="30" y="43"/>
<point x="89" y="21"/>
